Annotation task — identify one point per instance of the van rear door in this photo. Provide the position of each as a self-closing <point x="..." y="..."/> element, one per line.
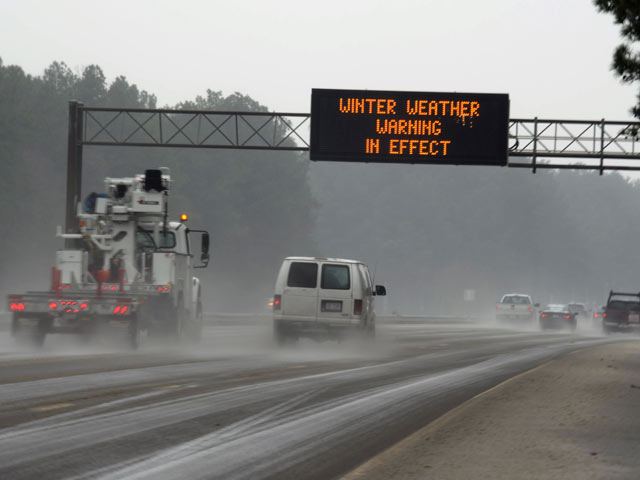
<point x="335" y="297"/>
<point x="300" y="293"/>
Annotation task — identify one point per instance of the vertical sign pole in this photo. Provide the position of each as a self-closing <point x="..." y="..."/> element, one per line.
<point x="535" y="143"/>
<point x="74" y="169"/>
<point x="601" y="147"/>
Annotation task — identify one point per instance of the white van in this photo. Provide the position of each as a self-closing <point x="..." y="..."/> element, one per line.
<point x="323" y="297"/>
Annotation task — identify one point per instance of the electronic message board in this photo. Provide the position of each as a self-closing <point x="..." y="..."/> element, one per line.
<point x="409" y="127"/>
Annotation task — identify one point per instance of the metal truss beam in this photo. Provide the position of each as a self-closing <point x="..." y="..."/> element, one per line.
<point x="195" y="129"/>
<point x="533" y="143"/>
<point x="574" y="144"/>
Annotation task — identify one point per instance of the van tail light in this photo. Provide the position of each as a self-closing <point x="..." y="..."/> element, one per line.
<point x="277" y="302"/>
<point x="357" y="307"/>
<point x="567" y="317"/>
<point x="544" y="315"/>
<point x="529" y="309"/>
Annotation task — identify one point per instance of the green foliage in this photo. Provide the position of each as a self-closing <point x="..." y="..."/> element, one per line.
<point x="626" y="60"/>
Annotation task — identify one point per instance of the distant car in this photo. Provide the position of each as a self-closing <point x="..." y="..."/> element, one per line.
<point x="557" y="316"/>
<point x="622" y="312"/>
<point x="580" y="310"/>
<point x="516" y="307"/>
<point x="598" y="315"/>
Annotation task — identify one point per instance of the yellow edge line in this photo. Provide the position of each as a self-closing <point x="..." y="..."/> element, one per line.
<point x="55" y="406"/>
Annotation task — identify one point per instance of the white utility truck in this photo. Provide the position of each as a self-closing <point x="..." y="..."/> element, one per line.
<point x="129" y="267"/>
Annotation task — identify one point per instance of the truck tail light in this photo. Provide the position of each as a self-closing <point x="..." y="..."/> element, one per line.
<point x="17" y="307"/>
<point x="120" y="309"/>
<point x="277" y="302"/>
<point x="529" y="309"/>
<point x="357" y="307"/>
<point x="543" y="315"/>
<point x="163" y="288"/>
<point x="567" y="316"/>
<point x="604" y="314"/>
<point x="53" y="305"/>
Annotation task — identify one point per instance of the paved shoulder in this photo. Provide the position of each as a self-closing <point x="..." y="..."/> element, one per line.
<point x="577" y="417"/>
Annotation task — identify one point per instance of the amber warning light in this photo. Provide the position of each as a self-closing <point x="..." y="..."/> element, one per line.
<point x="409" y="127"/>
<point x="184" y="217"/>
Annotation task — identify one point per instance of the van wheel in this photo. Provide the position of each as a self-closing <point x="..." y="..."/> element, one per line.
<point x="370" y="332"/>
<point x="281" y="336"/>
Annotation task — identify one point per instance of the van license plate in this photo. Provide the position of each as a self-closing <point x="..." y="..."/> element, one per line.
<point x="331" y="306"/>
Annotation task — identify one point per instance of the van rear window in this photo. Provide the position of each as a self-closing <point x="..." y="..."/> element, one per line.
<point x="303" y="275"/>
<point x="335" y="277"/>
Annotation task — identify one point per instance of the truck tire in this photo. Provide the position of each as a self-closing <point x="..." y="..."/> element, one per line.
<point x="181" y="324"/>
<point x="199" y="321"/>
<point x="32" y="336"/>
<point x="134" y="333"/>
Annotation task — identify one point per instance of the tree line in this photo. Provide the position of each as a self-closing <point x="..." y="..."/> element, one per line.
<point x="428" y="232"/>
<point x="256" y="207"/>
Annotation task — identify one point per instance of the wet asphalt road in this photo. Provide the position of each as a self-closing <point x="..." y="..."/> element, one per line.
<point x="236" y="407"/>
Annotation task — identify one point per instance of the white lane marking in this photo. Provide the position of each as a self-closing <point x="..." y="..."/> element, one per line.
<point x="307" y="433"/>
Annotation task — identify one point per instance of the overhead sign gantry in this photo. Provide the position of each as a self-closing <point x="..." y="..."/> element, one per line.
<point x="465" y="129"/>
<point x="409" y="127"/>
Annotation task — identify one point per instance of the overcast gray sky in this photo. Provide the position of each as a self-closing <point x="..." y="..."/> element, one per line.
<point x="551" y="56"/>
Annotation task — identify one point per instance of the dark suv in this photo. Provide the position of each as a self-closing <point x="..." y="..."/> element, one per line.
<point x="622" y="312"/>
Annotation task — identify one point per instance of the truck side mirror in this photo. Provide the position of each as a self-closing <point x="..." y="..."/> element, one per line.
<point x="205" y="244"/>
<point x="380" y="290"/>
<point x="204" y="248"/>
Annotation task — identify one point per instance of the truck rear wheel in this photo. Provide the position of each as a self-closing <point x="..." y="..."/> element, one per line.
<point x="30" y="332"/>
<point x="134" y="333"/>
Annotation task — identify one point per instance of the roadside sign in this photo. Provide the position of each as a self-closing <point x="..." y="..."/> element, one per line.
<point x="409" y="127"/>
